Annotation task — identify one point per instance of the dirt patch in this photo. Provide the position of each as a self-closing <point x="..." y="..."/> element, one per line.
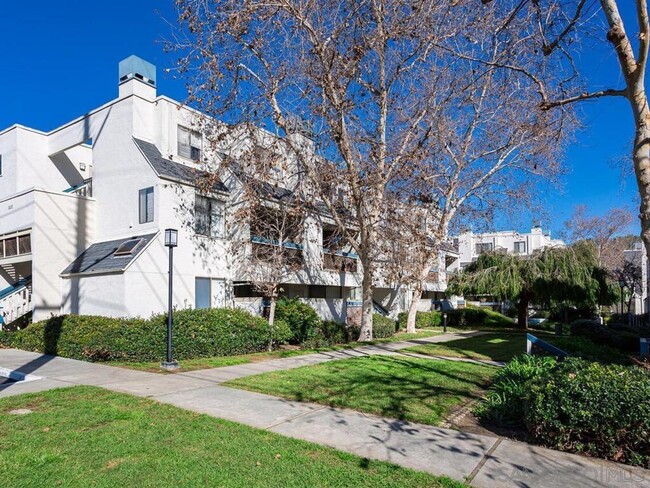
<point x="462" y="418"/>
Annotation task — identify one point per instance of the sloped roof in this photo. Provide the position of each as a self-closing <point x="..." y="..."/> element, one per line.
<point x="168" y="169"/>
<point x="100" y="258"/>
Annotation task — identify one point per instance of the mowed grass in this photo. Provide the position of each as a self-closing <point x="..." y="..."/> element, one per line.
<point x="222" y="361"/>
<point x="419" y="390"/>
<point x="86" y="436"/>
<point x="495" y="347"/>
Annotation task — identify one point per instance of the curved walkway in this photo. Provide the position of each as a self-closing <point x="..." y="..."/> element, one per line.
<point x="484" y="461"/>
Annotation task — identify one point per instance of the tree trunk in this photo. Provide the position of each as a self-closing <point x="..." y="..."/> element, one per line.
<point x="413" y="310"/>
<point x="522" y="312"/>
<point x="271" y="320"/>
<point x="641" y="159"/>
<point x="367" y="304"/>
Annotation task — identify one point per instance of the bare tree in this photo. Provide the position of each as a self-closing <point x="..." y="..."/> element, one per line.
<point x="557" y="28"/>
<point x="269" y="244"/>
<point x="600" y="231"/>
<point x="359" y="92"/>
<point x="631" y="276"/>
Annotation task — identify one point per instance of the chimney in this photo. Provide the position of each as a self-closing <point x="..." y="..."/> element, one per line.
<point x="137" y="77"/>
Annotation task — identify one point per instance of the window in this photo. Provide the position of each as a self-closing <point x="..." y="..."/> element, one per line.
<point x="209" y="217"/>
<point x="520" y="247"/>
<point x="127" y="247"/>
<point x="189" y="143"/>
<point x="482" y="247"/>
<point x="209" y="293"/>
<point x="146" y="205"/>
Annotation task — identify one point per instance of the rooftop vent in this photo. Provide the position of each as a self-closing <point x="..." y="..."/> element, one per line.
<point x="127" y="248"/>
<point x="138" y="68"/>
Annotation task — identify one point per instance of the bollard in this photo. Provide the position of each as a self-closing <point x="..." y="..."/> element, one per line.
<point x="444" y="323"/>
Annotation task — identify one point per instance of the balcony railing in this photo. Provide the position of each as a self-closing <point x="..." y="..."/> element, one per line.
<point x="267" y="250"/>
<point x="341" y="262"/>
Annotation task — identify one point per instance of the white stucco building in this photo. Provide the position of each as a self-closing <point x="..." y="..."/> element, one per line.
<point x="83" y="208"/>
<point x="471" y="245"/>
<point x="638" y="257"/>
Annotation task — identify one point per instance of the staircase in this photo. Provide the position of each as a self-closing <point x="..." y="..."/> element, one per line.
<point x="379" y="309"/>
<point x="15" y="302"/>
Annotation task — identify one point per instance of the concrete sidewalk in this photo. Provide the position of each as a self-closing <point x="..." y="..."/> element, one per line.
<point x="484" y="461"/>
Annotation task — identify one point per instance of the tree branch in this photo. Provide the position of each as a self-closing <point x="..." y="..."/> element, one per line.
<point x="584" y="96"/>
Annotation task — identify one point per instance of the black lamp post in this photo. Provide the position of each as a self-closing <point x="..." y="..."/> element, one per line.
<point x="171" y="241"/>
<point x="444" y="322"/>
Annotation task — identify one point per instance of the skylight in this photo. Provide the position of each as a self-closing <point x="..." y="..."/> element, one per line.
<point x="127" y="247"/>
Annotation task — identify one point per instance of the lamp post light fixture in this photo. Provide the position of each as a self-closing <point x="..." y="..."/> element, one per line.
<point x="444" y="322"/>
<point x="171" y="241"/>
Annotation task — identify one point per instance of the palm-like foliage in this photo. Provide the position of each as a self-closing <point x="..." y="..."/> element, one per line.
<point x="551" y="276"/>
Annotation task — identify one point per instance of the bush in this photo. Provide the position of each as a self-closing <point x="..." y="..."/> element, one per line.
<point x="196" y="333"/>
<point x="471" y="316"/>
<point x="622" y="339"/>
<point x="329" y="333"/>
<point x="595" y="409"/>
<point x="423" y="320"/>
<point x="302" y="318"/>
<point x="382" y="326"/>
<point x="586" y="349"/>
<point x="505" y="400"/>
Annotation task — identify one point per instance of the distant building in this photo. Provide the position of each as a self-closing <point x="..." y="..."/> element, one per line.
<point x="471" y="246"/>
<point x="637" y="255"/>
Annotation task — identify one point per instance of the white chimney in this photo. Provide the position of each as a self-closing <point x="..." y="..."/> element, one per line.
<point x="137" y="77"/>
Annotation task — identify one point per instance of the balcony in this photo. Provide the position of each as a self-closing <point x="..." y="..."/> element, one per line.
<point x="268" y="251"/>
<point x="341" y="262"/>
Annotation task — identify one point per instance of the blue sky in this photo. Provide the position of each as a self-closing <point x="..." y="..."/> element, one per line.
<point x="60" y="60"/>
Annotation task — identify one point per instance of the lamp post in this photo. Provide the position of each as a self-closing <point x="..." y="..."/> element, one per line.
<point x="171" y="241"/>
<point x="444" y="322"/>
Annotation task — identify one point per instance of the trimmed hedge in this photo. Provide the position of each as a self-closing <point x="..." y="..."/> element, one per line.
<point x="382" y="326"/>
<point x="575" y="405"/>
<point x="423" y="320"/>
<point x="625" y="340"/>
<point x="472" y="316"/>
<point x="595" y="409"/>
<point x="196" y="334"/>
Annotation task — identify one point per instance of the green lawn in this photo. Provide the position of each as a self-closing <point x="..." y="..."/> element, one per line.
<point x="420" y="390"/>
<point x="85" y="436"/>
<point x="221" y="361"/>
<point x="495" y="347"/>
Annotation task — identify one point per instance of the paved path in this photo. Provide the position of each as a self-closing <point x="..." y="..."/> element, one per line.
<point x="486" y="461"/>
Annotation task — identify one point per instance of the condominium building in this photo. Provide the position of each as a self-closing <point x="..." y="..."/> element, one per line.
<point x="83" y="210"/>
<point x="471" y="246"/>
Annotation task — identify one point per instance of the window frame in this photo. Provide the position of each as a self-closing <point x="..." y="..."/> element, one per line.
<point x="205" y="225"/>
<point x="191" y="134"/>
<point x="144" y="194"/>
<point x="518" y="250"/>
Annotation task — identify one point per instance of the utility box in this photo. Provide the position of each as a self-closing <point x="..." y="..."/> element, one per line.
<point x="645" y="343"/>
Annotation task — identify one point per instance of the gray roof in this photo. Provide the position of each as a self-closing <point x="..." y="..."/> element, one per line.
<point x="166" y="168"/>
<point x="99" y="258"/>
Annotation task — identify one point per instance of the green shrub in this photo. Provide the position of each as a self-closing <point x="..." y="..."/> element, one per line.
<point x="196" y="333"/>
<point x="382" y="326"/>
<point x="622" y="339"/>
<point x="586" y="349"/>
<point x="505" y="400"/>
<point x="301" y="317"/>
<point x="472" y="316"/>
<point x="329" y="333"/>
<point x="587" y="407"/>
<point x="423" y="320"/>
